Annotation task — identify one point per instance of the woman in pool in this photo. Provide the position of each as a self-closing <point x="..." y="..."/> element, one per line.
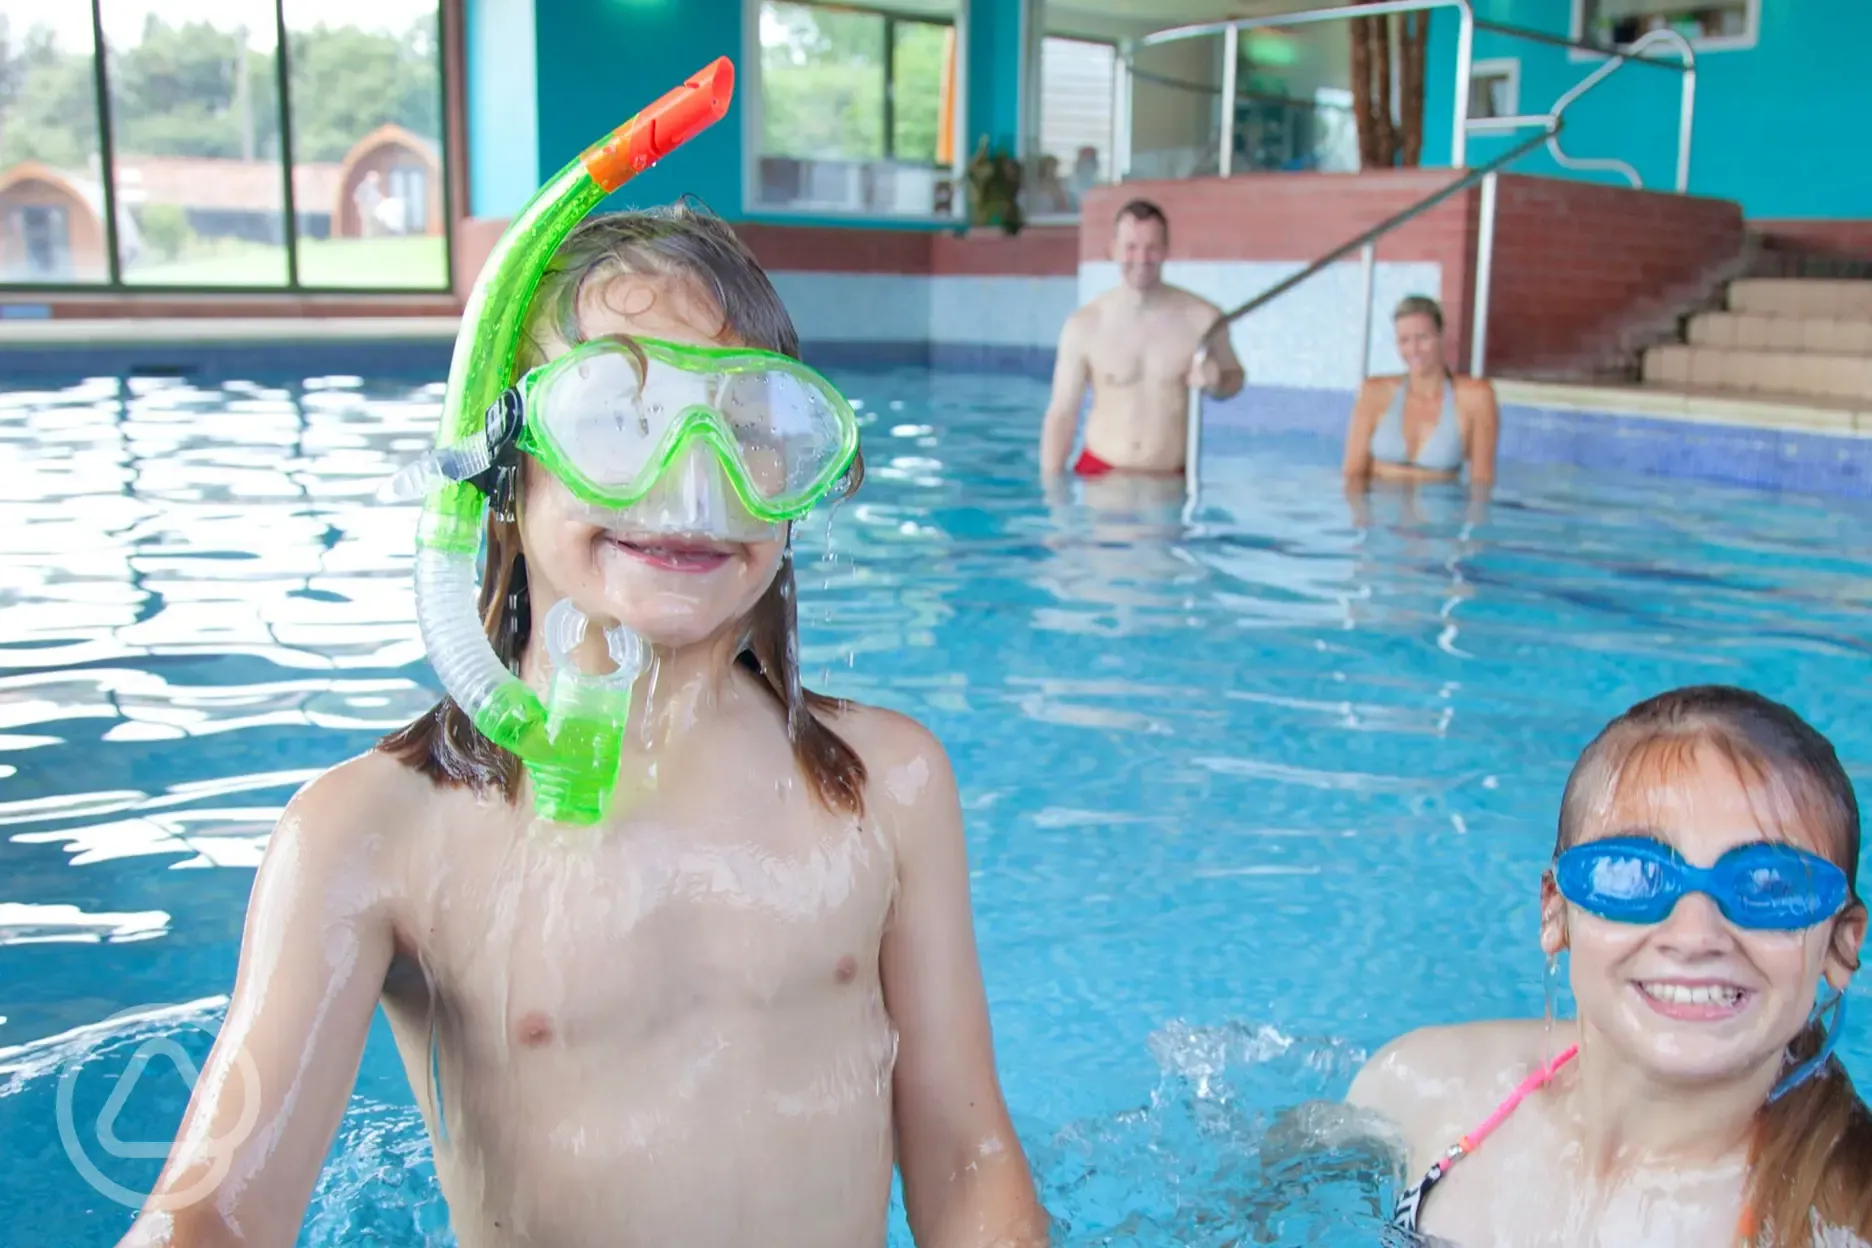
<point x="721" y="1013"/>
<point x="1703" y="886"/>
<point x="1425" y="425"/>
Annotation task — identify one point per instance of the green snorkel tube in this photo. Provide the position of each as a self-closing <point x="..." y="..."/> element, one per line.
<point x="571" y="743"/>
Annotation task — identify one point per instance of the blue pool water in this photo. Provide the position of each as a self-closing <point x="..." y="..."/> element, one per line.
<point x="1244" y="800"/>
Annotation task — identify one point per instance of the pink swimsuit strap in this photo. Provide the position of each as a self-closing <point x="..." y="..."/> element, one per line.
<point x="1533" y="1083"/>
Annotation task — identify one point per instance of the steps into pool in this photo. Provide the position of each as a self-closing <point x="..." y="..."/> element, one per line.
<point x="1802" y="338"/>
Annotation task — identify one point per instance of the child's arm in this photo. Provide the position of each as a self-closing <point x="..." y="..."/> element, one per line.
<point x="317" y="944"/>
<point x="965" y="1179"/>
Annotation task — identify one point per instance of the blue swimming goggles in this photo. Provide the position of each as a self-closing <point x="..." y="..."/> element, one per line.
<point x="1765" y="886"/>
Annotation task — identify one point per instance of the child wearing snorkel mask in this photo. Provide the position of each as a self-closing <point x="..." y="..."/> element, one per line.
<point x="1703" y="886"/>
<point x="717" y="1009"/>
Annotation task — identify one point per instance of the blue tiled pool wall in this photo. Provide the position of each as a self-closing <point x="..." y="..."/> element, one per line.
<point x="1769" y="459"/>
<point x="1772" y="459"/>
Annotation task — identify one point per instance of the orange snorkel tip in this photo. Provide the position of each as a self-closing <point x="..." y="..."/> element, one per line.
<point x="660" y="129"/>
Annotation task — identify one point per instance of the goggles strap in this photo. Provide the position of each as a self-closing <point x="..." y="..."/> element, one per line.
<point x="1807" y="1069"/>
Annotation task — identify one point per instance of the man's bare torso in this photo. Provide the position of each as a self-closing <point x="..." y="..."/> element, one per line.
<point x="1138" y="353"/>
<point x="667" y="1031"/>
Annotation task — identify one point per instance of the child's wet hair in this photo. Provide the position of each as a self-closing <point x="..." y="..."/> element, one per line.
<point x="680" y="244"/>
<point x="1812" y="1148"/>
<point x="1792" y="774"/>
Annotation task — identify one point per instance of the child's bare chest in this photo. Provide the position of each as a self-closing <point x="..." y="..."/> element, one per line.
<point x="714" y="902"/>
<point x="1535" y="1193"/>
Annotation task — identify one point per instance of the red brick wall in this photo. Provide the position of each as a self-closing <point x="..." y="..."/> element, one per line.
<point x="1585" y="274"/>
<point x="1847" y="239"/>
<point x="1302" y="216"/>
<point x="1051" y="250"/>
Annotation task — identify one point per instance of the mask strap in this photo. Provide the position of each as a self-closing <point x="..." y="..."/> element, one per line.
<point x="475" y="460"/>
<point x="1807" y="1069"/>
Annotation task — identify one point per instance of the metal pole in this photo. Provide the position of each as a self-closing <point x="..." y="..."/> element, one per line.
<point x="1485" y="264"/>
<point x="1368" y="262"/>
<point x="1465" y="61"/>
<point x="1192" y="442"/>
<point x="107" y="155"/>
<point x="1121" y="143"/>
<point x="283" y="71"/>
<point x="1686" y="123"/>
<point x="1231" y="54"/>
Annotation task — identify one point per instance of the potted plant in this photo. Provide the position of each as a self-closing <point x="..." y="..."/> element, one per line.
<point x="994" y="180"/>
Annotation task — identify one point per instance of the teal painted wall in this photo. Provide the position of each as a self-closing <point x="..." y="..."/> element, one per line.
<point x="1778" y="126"/>
<point x="602" y="60"/>
<point x="594" y="62"/>
<point x="503" y="120"/>
<point x="994" y="72"/>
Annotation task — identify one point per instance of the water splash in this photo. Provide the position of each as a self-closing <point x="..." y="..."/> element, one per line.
<point x="1202" y="1164"/>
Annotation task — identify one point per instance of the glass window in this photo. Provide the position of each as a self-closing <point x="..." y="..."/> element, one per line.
<point x="51" y="196"/>
<point x="195" y="151"/>
<point x="186" y="169"/>
<point x="856" y="109"/>
<point x="1713" y="24"/>
<point x="1078" y="116"/>
<point x="1494" y="89"/>
<point x="366" y="96"/>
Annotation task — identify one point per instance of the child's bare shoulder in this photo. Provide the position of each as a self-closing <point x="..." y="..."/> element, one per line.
<point x="906" y="767"/>
<point x="350" y="809"/>
<point x="1436" y="1080"/>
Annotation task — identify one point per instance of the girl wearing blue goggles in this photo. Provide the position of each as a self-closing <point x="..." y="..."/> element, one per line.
<point x="1703" y="884"/>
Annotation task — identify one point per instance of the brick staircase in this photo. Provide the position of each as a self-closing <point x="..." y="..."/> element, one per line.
<point x="1801" y="338"/>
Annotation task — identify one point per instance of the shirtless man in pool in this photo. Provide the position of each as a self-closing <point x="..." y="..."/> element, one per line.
<point x="1136" y="347"/>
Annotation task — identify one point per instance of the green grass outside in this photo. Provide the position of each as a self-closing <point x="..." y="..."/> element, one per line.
<point x="370" y="263"/>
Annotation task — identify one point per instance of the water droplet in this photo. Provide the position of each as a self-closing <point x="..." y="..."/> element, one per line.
<point x="1550" y="993"/>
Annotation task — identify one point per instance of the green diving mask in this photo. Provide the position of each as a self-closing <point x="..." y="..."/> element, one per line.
<point x="656" y="436"/>
<point x="621" y="430"/>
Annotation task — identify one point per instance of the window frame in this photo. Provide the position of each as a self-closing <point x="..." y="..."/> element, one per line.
<point x="753" y="116"/>
<point x="1750" y="37"/>
<point x="1034" y="89"/>
<point x="449" y="64"/>
<point x="1505" y="67"/>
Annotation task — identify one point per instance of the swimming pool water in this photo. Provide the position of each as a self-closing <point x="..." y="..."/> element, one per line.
<point x="1244" y="799"/>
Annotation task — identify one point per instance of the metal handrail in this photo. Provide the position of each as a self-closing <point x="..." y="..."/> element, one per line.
<point x="1686" y="117"/>
<point x="1192" y="450"/>
<point x="1231" y="33"/>
<point x="1550" y="125"/>
<point x="1615" y="59"/>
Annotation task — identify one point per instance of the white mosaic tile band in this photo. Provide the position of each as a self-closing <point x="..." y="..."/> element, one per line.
<point x="943" y="309"/>
<point x="1307" y="337"/>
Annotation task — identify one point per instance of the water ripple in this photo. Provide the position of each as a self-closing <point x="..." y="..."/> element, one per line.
<point x="1271" y="767"/>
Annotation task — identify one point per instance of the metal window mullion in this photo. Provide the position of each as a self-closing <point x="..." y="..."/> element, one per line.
<point x="281" y="75"/>
<point x="445" y="31"/>
<point x="107" y="154"/>
<point x="890" y="86"/>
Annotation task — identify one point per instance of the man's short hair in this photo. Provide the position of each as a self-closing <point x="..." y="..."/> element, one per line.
<point x="1143" y="210"/>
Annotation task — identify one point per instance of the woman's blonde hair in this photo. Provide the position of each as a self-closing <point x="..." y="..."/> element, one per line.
<point x="1419" y="305"/>
<point x="680" y="243"/>
<point x="1812" y="1150"/>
